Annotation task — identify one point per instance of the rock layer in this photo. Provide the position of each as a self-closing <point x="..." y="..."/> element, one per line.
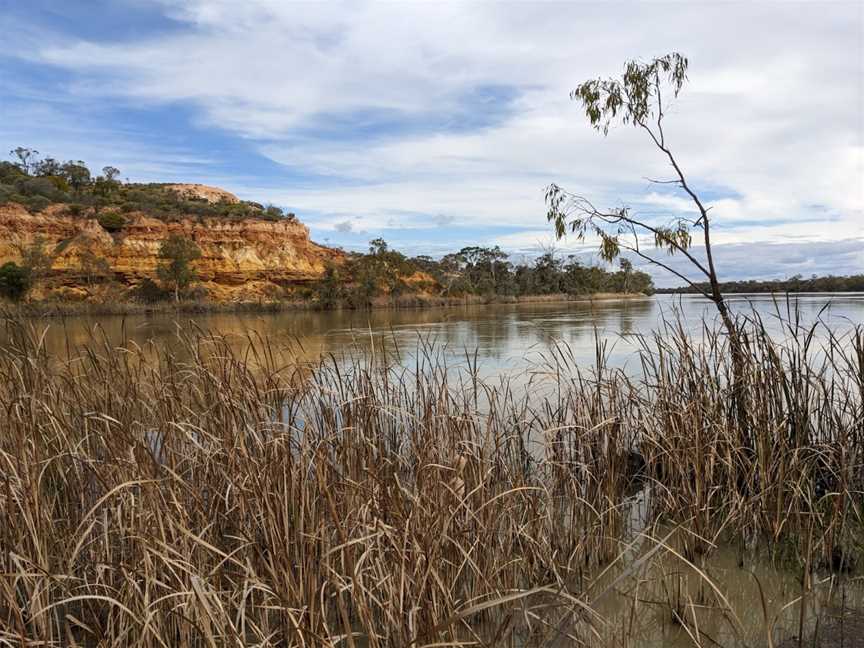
<point x="248" y="258"/>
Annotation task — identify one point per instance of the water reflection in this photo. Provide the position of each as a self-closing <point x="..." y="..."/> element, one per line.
<point x="506" y="339"/>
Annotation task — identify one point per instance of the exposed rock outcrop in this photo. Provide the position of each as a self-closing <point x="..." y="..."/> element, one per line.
<point x="241" y="259"/>
<point x="204" y="192"/>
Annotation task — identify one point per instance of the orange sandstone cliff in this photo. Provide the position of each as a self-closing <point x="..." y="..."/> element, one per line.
<point x="240" y="259"/>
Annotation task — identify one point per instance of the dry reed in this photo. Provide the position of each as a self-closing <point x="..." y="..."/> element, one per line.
<point x="216" y="495"/>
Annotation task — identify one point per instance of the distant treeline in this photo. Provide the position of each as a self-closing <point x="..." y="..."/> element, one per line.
<point x="481" y="271"/>
<point x="831" y="283"/>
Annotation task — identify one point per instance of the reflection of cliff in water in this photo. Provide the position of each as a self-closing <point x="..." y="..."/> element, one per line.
<point x="506" y="338"/>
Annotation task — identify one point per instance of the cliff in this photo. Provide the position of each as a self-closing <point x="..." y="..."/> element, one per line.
<point x="244" y="259"/>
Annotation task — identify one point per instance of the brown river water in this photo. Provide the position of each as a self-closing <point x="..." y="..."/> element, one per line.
<point x="504" y="338"/>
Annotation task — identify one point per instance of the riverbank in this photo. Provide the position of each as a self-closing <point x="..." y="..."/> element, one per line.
<point x="41" y="309"/>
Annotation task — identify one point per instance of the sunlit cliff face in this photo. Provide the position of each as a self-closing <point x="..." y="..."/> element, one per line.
<point x="254" y="257"/>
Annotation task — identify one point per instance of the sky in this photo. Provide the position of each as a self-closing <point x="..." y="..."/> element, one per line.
<point x="438" y="125"/>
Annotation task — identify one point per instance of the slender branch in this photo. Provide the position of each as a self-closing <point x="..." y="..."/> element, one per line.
<point x="613" y="219"/>
<point x="659" y="108"/>
<point x="667" y="268"/>
<point x="653" y="181"/>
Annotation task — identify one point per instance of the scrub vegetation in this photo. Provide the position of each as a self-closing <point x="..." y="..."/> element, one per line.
<point x="364" y="279"/>
<point x="38" y="183"/>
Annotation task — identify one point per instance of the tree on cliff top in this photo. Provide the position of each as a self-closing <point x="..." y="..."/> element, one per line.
<point x="177" y="253"/>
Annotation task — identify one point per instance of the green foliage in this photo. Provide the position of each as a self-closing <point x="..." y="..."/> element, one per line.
<point x="39" y="187"/>
<point x="328" y="291"/>
<point x="36" y="203"/>
<point x="77" y="174"/>
<point x="272" y="212"/>
<point x="10" y="173"/>
<point x="636" y="97"/>
<point x="15" y="281"/>
<point x="177" y="254"/>
<point x="36" y="184"/>
<point x="28" y="159"/>
<point x="48" y="167"/>
<point x="111" y="221"/>
<point x="470" y="271"/>
<point x="149" y="292"/>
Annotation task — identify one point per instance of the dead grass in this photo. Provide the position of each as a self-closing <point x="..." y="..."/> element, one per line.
<point x="231" y="499"/>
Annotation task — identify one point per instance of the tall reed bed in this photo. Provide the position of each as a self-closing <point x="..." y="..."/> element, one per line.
<point x="221" y="495"/>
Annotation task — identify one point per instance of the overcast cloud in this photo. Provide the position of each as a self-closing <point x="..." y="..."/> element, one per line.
<point x="436" y="124"/>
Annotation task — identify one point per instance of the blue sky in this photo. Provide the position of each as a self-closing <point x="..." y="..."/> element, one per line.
<point x="439" y="125"/>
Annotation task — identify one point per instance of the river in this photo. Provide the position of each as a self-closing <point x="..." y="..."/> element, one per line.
<point x="504" y="338"/>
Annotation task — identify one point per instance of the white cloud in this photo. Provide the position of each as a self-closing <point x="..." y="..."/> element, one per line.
<point x="771" y="122"/>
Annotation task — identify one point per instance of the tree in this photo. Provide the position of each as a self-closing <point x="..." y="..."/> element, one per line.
<point x="637" y="99"/>
<point x="15" y="281"/>
<point x="35" y="259"/>
<point x="110" y="173"/>
<point x="28" y="159"/>
<point x="76" y="174"/>
<point x="177" y="253"/>
<point x="49" y="167"/>
<point x="329" y="288"/>
<point x="626" y="270"/>
<point x="94" y="268"/>
<point x="111" y="221"/>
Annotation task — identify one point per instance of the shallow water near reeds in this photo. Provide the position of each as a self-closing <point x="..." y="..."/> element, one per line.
<point x="737" y="593"/>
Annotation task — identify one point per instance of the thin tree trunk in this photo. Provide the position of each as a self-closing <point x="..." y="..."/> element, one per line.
<point x="740" y="401"/>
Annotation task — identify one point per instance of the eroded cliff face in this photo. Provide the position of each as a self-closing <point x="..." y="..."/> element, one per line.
<point x="247" y="259"/>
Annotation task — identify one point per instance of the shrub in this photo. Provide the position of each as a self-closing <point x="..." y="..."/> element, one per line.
<point x="36" y="203"/>
<point x="272" y="213"/>
<point x="59" y="183"/>
<point x="177" y="253"/>
<point x="329" y="289"/>
<point x="40" y="187"/>
<point x="15" y="281"/>
<point x="111" y="221"/>
<point x="197" y="293"/>
<point x="149" y="292"/>
<point x="9" y="173"/>
<point x="74" y="209"/>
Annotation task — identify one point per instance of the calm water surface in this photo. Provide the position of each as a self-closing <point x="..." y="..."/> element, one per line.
<point x="503" y="338"/>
